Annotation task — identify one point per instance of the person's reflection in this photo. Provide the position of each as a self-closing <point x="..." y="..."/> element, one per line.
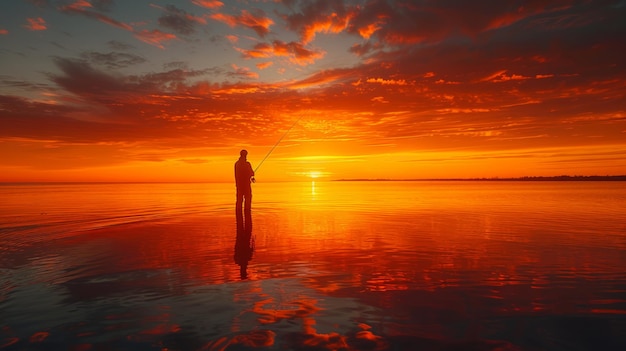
<point x="244" y="245"/>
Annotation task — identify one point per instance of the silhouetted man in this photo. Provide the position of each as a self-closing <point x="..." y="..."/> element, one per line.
<point x="243" y="177"/>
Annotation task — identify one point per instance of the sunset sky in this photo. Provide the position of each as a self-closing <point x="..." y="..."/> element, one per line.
<point x="111" y="90"/>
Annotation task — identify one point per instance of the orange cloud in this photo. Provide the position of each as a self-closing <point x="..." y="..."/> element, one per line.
<point x="329" y="24"/>
<point x="367" y="31"/>
<point x="36" y="24"/>
<point x="320" y="17"/>
<point x="463" y="110"/>
<point x="505" y="78"/>
<point x="295" y="52"/>
<point x="79" y="5"/>
<point x="264" y="65"/>
<point x="154" y="37"/>
<point x="387" y="81"/>
<point x="4" y="32"/>
<point x="257" y="22"/>
<point x="380" y="99"/>
<point x="211" y="4"/>
<point x="442" y="81"/>
<point x="324" y="78"/>
<point x="493" y="76"/>
<point x="505" y="19"/>
<point x="260" y="50"/>
<point x="237" y="89"/>
<point x="500" y="76"/>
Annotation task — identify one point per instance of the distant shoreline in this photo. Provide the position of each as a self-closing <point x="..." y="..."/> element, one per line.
<point x="562" y="178"/>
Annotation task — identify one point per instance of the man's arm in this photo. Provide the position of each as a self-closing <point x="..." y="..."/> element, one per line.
<point x="251" y="173"/>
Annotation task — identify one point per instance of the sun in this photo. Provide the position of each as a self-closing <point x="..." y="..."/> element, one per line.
<point x="314" y="174"/>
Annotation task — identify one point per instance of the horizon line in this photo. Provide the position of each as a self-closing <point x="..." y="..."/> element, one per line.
<point x="522" y="178"/>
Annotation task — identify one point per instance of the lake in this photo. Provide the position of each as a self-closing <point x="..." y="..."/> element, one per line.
<point x="422" y="265"/>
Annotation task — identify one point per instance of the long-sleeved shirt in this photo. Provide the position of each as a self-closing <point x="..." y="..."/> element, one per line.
<point x="243" y="173"/>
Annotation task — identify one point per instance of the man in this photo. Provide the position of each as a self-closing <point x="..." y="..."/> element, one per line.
<point x="244" y="174"/>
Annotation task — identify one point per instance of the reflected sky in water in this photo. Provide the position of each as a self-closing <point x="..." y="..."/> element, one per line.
<point x="327" y="266"/>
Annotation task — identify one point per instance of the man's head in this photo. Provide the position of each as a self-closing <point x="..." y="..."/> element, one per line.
<point x="243" y="153"/>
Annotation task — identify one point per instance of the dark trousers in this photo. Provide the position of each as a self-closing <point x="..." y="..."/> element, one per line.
<point x="244" y="197"/>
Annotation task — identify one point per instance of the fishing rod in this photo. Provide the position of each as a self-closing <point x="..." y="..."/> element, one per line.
<point x="278" y="142"/>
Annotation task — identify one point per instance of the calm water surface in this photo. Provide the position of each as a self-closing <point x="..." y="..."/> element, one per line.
<point x="331" y="266"/>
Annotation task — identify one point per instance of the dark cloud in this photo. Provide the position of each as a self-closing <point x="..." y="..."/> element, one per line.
<point x="289" y="3"/>
<point x="364" y="49"/>
<point x="80" y="78"/>
<point x="82" y="9"/>
<point x="242" y="73"/>
<point x="164" y="109"/>
<point x="103" y="5"/>
<point x="60" y="46"/>
<point x="175" y="65"/>
<point x="168" y="81"/>
<point x="178" y="20"/>
<point x="26" y="119"/>
<point x="391" y="24"/>
<point x="11" y="82"/>
<point x="100" y="5"/>
<point x="119" y="46"/>
<point x="148" y="117"/>
<point x="41" y="3"/>
<point x="113" y="60"/>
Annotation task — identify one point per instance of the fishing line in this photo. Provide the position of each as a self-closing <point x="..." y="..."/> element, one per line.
<point x="278" y="142"/>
